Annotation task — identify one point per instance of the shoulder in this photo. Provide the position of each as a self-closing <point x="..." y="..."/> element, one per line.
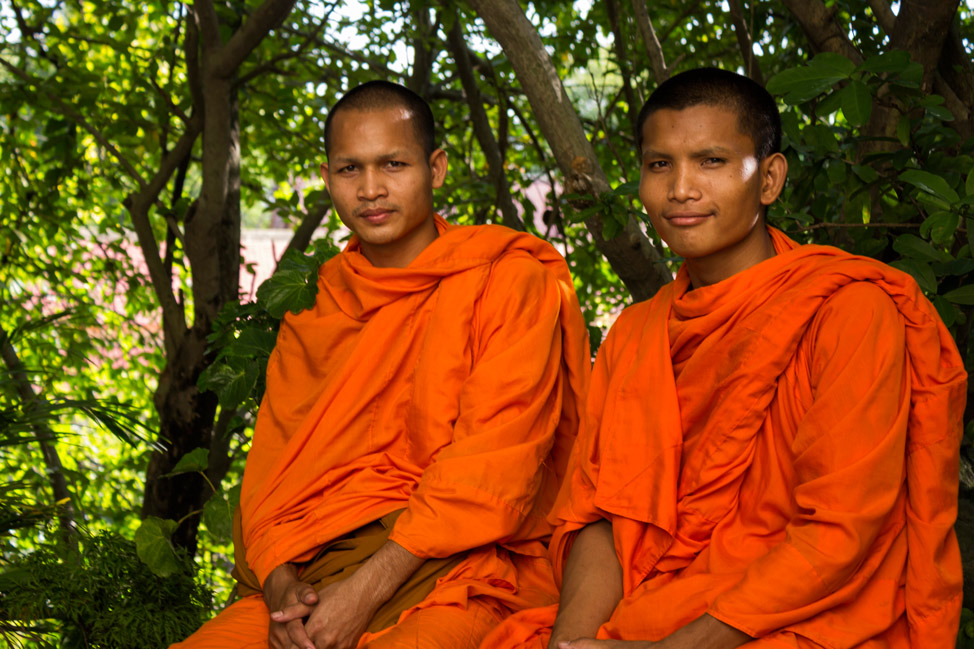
<point x="857" y="305"/>
<point x="859" y="324"/>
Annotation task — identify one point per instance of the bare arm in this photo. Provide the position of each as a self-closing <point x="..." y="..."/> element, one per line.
<point x="592" y="586"/>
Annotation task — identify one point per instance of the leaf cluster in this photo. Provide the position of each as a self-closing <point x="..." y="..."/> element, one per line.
<point x="104" y="597"/>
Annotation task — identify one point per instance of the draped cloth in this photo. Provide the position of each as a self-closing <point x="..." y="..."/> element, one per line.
<point x="338" y="559"/>
<point x="779" y="450"/>
<point x="451" y="390"/>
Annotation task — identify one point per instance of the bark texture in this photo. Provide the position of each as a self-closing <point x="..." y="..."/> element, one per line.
<point x="631" y="254"/>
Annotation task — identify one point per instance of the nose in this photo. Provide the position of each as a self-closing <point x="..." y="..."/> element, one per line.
<point x="683" y="184"/>
<point x="372" y="185"/>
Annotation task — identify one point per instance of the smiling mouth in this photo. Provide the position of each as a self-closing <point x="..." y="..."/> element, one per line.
<point x="686" y="219"/>
<point x="375" y="214"/>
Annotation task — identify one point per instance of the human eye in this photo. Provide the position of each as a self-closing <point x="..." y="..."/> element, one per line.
<point x="656" y="165"/>
<point x="395" y="164"/>
<point x="347" y="169"/>
<point x="714" y="161"/>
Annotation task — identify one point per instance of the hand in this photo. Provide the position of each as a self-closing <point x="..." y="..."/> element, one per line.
<point x="284" y="591"/>
<point x="338" y="619"/>
<point x="341" y="612"/>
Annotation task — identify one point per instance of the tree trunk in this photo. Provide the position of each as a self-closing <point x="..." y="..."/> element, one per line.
<point x="212" y="246"/>
<point x="631" y="254"/>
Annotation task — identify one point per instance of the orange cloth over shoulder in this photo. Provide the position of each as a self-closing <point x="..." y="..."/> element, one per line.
<point x="779" y="450"/>
<point x="450" y="388"/>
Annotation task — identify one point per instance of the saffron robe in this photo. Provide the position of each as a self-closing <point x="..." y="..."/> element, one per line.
<point x="451" y="389"/>
<point x="779" y="450"/>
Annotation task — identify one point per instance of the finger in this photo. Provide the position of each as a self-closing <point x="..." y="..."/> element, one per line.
<point x="291" y="612"/>
<point x="305" y="593"/>
<point x="298" y="636"/>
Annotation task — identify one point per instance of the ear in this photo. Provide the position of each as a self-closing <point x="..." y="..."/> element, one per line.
<point x="774" y="170"/>
<point x="437" y="164"/>
<point x="323" y="171"/>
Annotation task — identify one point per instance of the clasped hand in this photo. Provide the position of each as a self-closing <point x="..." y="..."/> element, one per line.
<point x="302" y="618"/>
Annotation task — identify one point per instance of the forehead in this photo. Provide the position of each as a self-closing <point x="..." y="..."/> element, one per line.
<point x="358" y="132"/>
<point x="696" y="127"/>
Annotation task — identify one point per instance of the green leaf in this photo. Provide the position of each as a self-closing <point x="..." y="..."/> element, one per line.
<point x="904" y="130"/>
<point x="920" y="271"/>
<point x="801" y="84"/>
<point x="857" y="103"/>
<point x="154" y="547"/>
<point x="939" y="227"/>
<point x="969" y="185"/>
<point x="948" y="312"/>
<point x="833" y="62"/>
<point x="218" y="516"/>
<point x="630" y="188"/>
<point x="963" y="295"/>
<point x="232" y="380"/>
<point x="252" y="343"/>
<point x="610" y="228"/>
<point x="892" y="61"/>
<point x="836" y="172"/>
<point x="286" y="290"/>
<point x="930" y="183"/>
<point x="865" y="173"/>
<point x="196" y="460"/>
<point x="912" y="246"/>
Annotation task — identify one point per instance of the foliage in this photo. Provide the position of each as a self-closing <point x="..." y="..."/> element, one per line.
<point x="103" y="598"/>
<point x="96" y="97"/>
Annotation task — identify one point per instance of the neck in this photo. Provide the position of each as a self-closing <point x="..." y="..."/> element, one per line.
<point x="718" y="267"/>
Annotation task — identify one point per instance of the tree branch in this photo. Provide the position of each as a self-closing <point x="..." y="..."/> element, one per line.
<point x="884" y="15"/>
<point x="921" y="29"/>
<point x="632" y="256"/>
<point x="55" y="470"/>
<point x="618" y="44"/>
<point x="68" y="111"/>
<point x="650" y="41"/>
<point x="482" y="128"/>
<point x="207" y="22"/>
<point x="822" y="32"/>
<point x="266" y="17"/>
<point x="309" y="223"/>
<point x="745" y="42"/>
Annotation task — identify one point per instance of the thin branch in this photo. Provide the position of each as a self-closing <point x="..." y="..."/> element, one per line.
<point x="312" y="218"/>
<point x="68" y="111"/>
<point x="745" y="42"/>
<point x="884" y="15"/>
<point x="619" y="46"/>
<point x="826" y="226"/>
<point x="650" y="41"/>
<point x="266" y="17"/>
<point x="482" y="128"/>
<point x="271" y="64"/>
<point x="59" y="484"/>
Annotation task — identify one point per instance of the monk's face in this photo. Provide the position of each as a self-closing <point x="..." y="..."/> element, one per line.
<point x="381" y="183"/>
<point x="705" y="190"/>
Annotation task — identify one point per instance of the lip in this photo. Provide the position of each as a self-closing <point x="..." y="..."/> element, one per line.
<point x="375" y="214"/>
<point x="686" y="219"/>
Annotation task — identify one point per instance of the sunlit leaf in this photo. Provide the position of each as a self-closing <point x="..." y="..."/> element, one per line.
<point x="196" y="460"/>
<point x="154" y="547"/>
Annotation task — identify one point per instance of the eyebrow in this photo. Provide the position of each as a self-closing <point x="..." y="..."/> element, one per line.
<point x="391" y="155"/>
<point x="700" y="153"/>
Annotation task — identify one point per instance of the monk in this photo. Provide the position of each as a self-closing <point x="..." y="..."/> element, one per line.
<point x="417" y="420"/>
<point x="771" y="453"/>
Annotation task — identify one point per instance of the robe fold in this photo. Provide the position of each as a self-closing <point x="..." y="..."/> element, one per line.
<point x="450" y="389"/>
<point x="779" y="450"/>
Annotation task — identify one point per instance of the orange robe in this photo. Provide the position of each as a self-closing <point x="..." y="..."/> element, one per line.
<point x="450" y="388"/>
<point x="779" y="450"/>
